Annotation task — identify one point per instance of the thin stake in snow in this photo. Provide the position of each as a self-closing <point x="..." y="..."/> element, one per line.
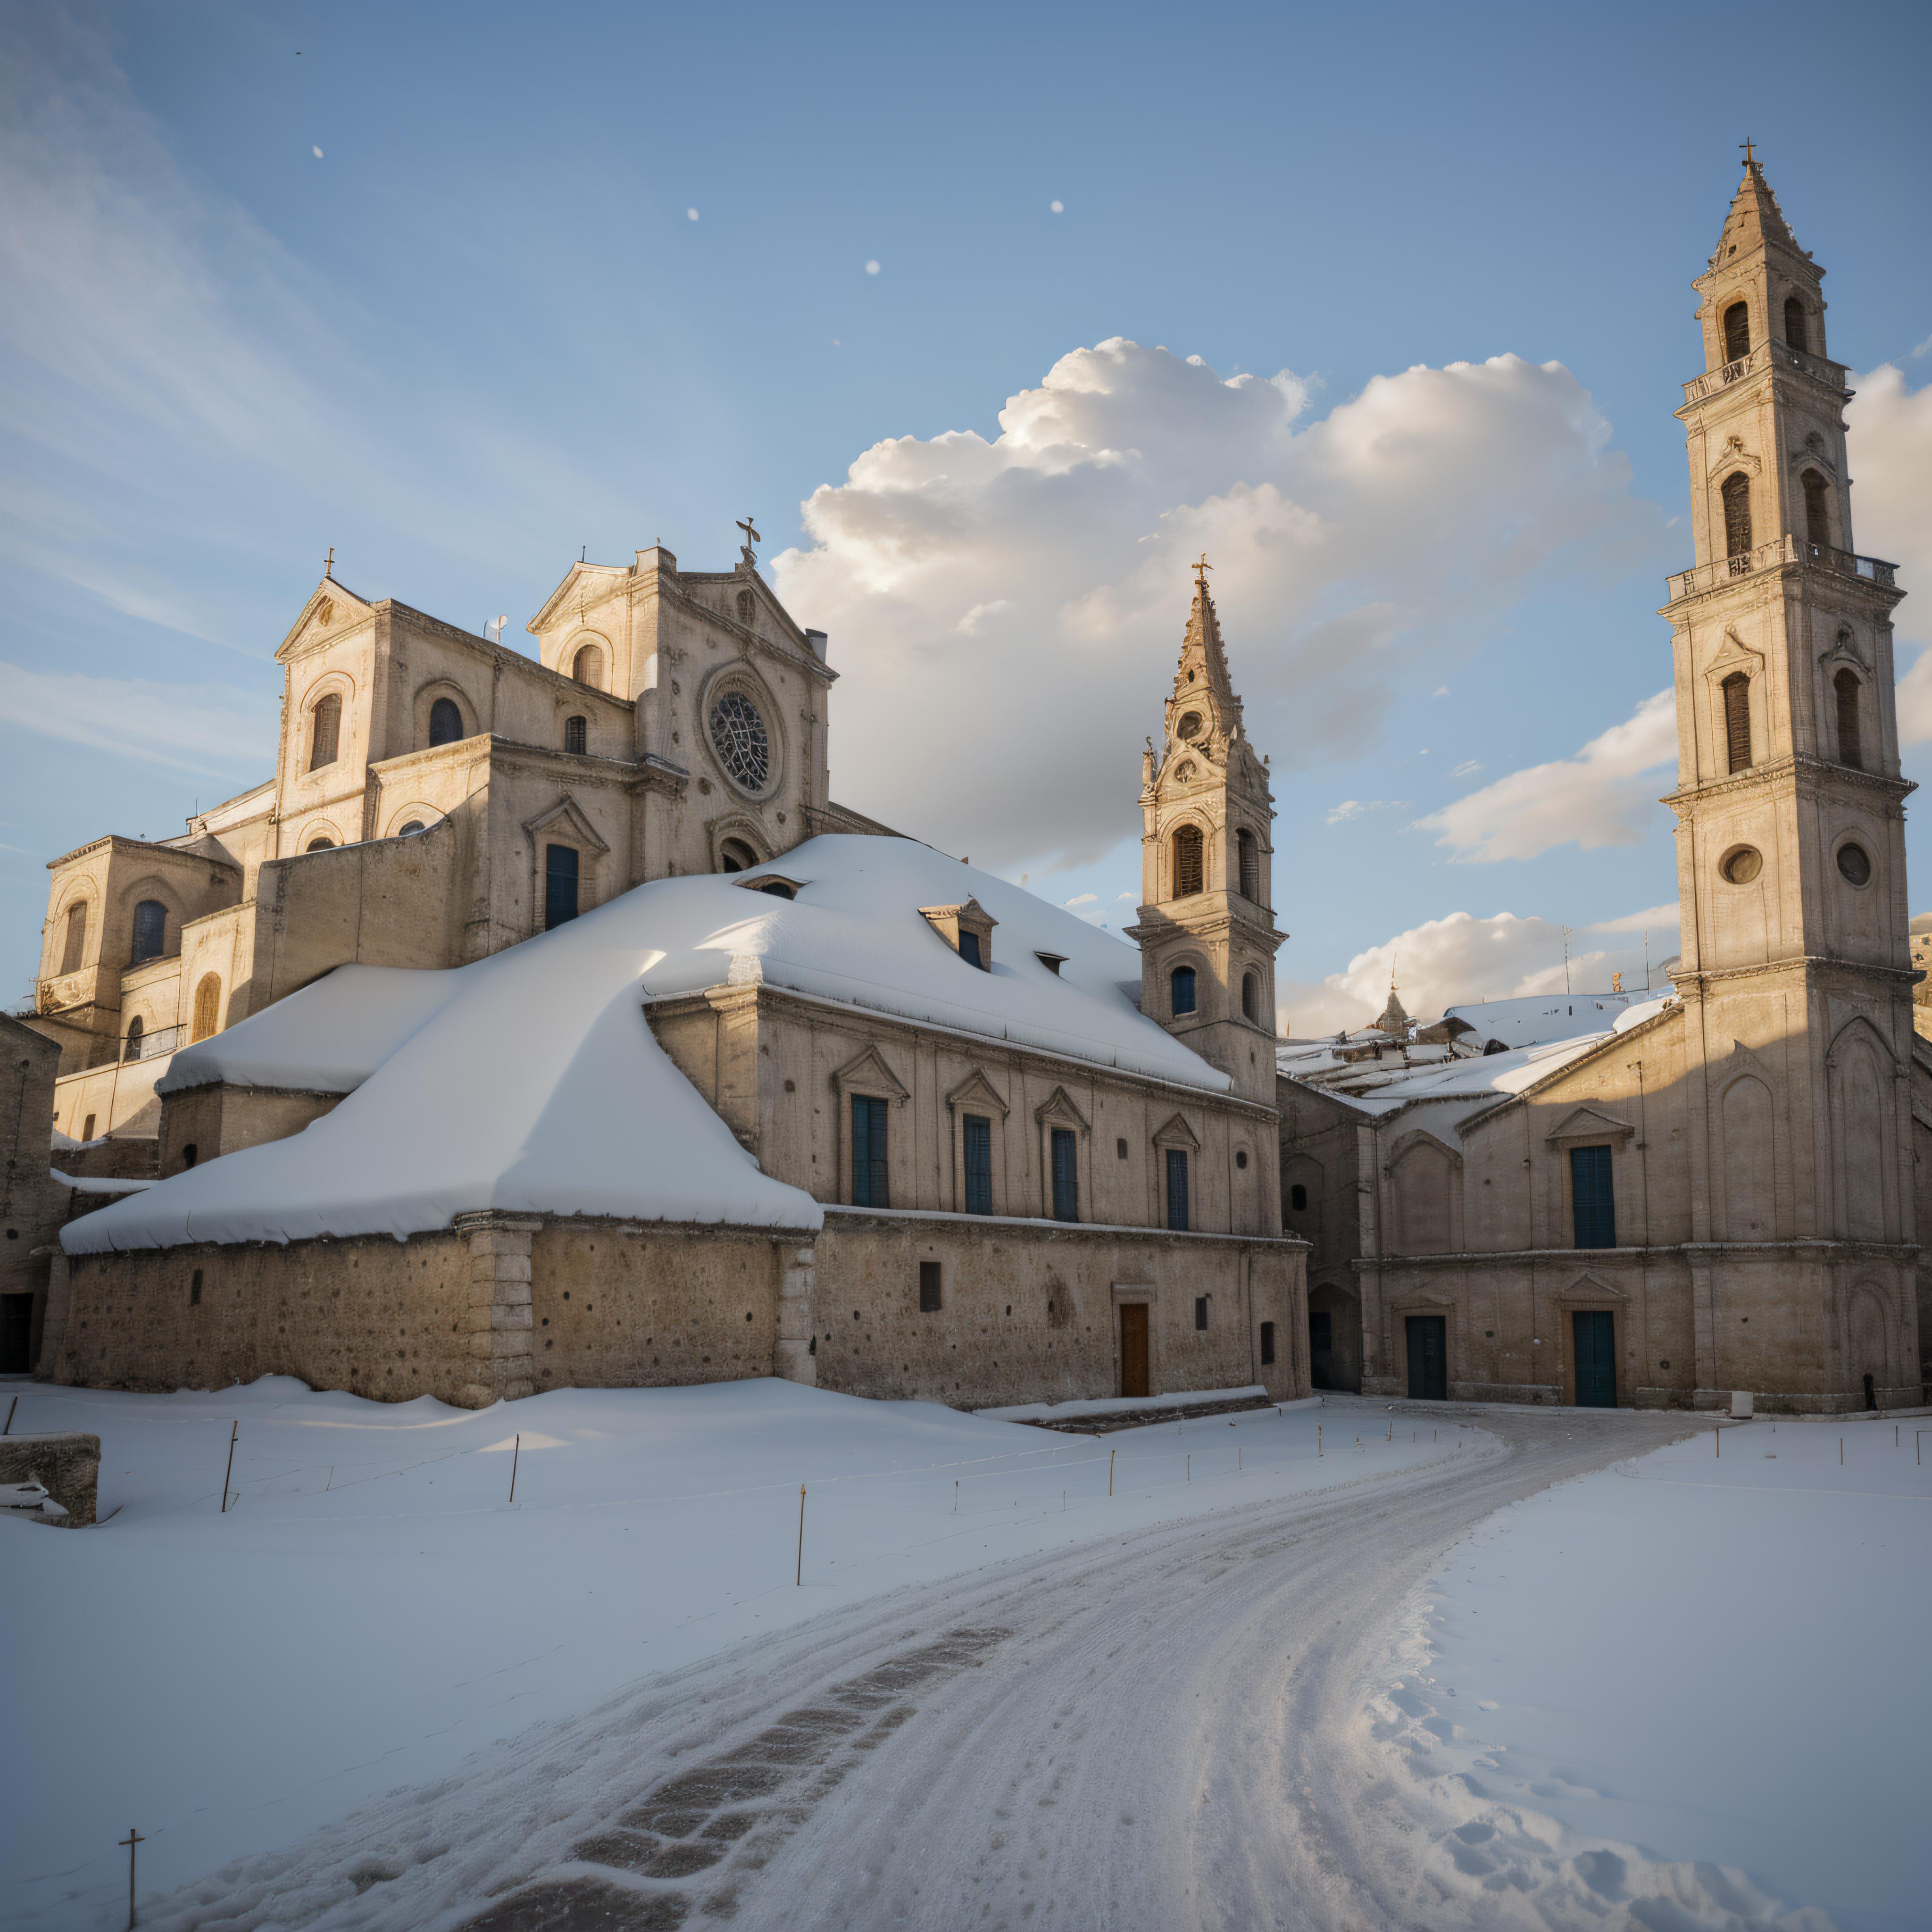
<point x="1717" y="1442"/>
<point x="133" y="1839"/>
<point x="799" y="1580"/>
<point x="516" y="1450"/>
<point x="1841" y="1452"/>
<point x="235" y="1430"/>
<point x="1110" y="1454"/>
<point x="1317" y="1438"/>
<point x="10" y="1407"/>
<point x="1190" y="1476"/>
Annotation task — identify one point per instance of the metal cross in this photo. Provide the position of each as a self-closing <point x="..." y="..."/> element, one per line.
<point x="751" y="536"/>
<point x="329" y="562"/>
<point x="133" y="1839"/>
<point x="1201" y="569"/>
<point x="1750" y="158"/>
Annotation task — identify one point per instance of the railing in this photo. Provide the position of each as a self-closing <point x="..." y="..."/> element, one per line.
<point x="152" y="1044"/>
<point x="1832" y="374"/>
<point x="1782" y="550"/>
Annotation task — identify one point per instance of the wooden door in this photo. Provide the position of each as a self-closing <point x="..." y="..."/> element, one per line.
<point x="1133" y="1348"/>
<point x="1595" y="1337"/>
<point x="1428" y="1357"/>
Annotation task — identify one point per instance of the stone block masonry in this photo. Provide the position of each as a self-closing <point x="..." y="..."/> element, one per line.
<point x="67" y="1465"/>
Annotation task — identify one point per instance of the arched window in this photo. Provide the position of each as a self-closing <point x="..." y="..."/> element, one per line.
<point x="587" y="667"/>
<point x="207" y="1006"/>
<point x="1817" y="507"/>
<point x="1737" y="515"/>
<point x="1248" y="851"/>
<point x="190" y="1154"/>
<point x="1297" y="1198"/>
<point x="777" y="889"/>
<point x="151" y="931"/>
<point x="1795" y="332"/>
<point x="1251" y="996"/>
<point x="446" y="722"/>
<point x="136" y="1027"/>
<point x="1737" y="331"/>
<point x="414" y="825"/>
<point x="1736" y="689"/>
<point x="1180" y="991"/>
<point x="735" y="856"/>
<point x="321" y="842"/>
<point x="1187" y="868"/>
<point x="73" y="946"/>
<point x="576" y="735"/>
<point x="1845" y="684"/>
<point x="324" y="730"/>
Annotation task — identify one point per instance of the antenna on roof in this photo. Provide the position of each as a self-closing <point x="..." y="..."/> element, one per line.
<point x="1566" y="962"/>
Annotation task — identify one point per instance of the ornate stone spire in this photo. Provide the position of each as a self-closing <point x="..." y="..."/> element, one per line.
<point x="1755" y="217"/>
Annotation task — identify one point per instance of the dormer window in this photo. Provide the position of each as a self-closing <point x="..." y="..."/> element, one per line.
<point x="776" y="885"/>
<point x="967" y="928"/>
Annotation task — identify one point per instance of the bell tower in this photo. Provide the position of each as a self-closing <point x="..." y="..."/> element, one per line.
<point x="1795" y="979"/>
<point x="1207" y="930"/>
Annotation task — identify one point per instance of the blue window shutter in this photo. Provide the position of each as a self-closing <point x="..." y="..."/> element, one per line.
<point x="870" y="1188"/>
<point x="1593" y="1204"/>
<point x="1066" y="1176"/>
<point x="979" y="1165"/>
<point x="559" y="885"/>
<point x="1176" y="1188"/>
<point x="969" y="949"/>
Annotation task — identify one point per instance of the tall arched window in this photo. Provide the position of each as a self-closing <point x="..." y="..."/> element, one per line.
<point x="136" y="1027"/>
<point x="1180" y="991"/>
<point x="324" y="730"/>
<point x="587" y="666"/>
<point x="321" y="842"/>
<point x="1737" y="515"/>
<point x="1737" y="331"/>
<point x="151" y="931"/>
<point x="576" y="735"/>
<point x="1795" y="332"/>
<point x="1817" y="507"/>
<point x="735" y="856"/>
<point x="73" y="946"/>
<point x="1251" y="996"/>
<point x="446" y="722"/>
<point x="1248" y="851"/>
<point x="1736" y="689"/>
<point x="207" y="1006"/>
<point x="1187" y="867"/>
<point x="1850" y="750"/>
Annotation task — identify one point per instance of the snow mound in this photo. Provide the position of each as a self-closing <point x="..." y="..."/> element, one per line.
<point x="529" y="1081"/>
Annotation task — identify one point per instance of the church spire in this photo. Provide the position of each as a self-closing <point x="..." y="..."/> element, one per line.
<point x="1755" y="217"/>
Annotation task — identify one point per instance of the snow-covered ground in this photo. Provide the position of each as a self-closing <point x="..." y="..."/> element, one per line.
<point x="371" y="1608"/>
<point x="1693" y="1657"/>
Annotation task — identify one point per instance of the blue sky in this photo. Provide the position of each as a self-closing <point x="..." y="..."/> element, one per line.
<point x="482" y="330"/>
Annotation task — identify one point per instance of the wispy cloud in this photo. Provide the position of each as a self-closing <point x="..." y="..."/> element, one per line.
<point x="1354" y="807"/>
<point x="209" y="728"/>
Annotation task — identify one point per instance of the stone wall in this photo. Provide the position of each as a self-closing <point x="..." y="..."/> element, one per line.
<point x="219" y="1118"/>
<point x="30" y="1204"/>
<point x="67" y="1465"/>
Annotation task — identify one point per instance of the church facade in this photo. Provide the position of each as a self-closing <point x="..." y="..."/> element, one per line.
<point x="944" y="1146"/>
<point x="1724" y="1192"/>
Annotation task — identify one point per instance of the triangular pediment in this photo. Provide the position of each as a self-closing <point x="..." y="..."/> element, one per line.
<point x="1590" y="1123"/>
<point x="583" y="585"/>
<point x="867" y="1072"/>
<point x="1734" y="654"/>
<point x="1590" y="1288"/>
<point x="1177" y="1133"/>
<point x="1058" y="1105"/>
<point x="330" y="608"/>
<point x="566" y="813"/>
<point x="976" y="1090"/>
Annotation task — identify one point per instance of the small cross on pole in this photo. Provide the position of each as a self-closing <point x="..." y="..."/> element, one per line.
<point x="1201" y="570"/>
<point x="133" y="1839"/>
<point x="751" y="536"/>
<point x="1750" y="157"/>
<point x="329" y="563"/>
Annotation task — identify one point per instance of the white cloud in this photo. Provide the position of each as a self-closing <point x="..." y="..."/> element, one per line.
<point x="1346" y="552"/>
<point x="1604" y="795"/>
<point x="210" y="728"/>
<point x="1083" y="898"/>
<point x="1354" y="807"/>
<point x="1456" y="961"/>
<point x="1467" y="769"/>
<point x="1890" y="439"/>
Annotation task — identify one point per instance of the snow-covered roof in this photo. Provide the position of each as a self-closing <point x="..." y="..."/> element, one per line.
<point x="1543" y="1017"/>
<point x="529" y="1081"/>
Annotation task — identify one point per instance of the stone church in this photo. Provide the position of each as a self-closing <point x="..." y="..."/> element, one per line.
<point x="544" y="1021"/>
<point x="1723" y="1192"/>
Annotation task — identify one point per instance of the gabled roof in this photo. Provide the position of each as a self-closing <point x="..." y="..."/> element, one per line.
<point x="331" y="607"/>
<point x="1754" y="219"/>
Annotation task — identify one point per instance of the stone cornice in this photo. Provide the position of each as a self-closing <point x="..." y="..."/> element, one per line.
<point x="1061" y="1231"/>
<point x="121" y="845"/>
<point x="1803" y="772"/>
<point x="1689" y="1252"/>
<point x="1809" y="962"/>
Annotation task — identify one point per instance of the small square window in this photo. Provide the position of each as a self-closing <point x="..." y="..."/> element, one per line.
<point x="928" y="1288"/>
<point x="1200" y="1311"/>
<point x="1120" y="1150"/>
<point x="1267" y="1344"/>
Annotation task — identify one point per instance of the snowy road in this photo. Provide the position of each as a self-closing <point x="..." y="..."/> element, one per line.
<point x="1166" y="1730"/>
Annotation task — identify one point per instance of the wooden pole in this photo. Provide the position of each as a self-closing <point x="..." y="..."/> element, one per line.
<point x="516" y="1451"/>
<point x="799" y="1579"/>
<point x="1841" y="1452"/>
<point x="133" y="1839"/>
<point x="1717" y="1442"/>
<point x="1190" y="1476"/>
<point x="10" y="1407"/>
<point x="1110" y="1454"/>
<point x="1317" y="1438"/>
<point x="234" y="1430"/>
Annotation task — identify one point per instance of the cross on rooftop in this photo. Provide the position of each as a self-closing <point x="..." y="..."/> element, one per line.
<point x="1750" y="159"/>
<point x="1201" y="570"/>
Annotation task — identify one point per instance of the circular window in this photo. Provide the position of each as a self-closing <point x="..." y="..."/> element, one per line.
<point x="1190" y="726"/>
<point x="1855" y="863"/>
<point x="738" y="736"/>
<point x="1742" y="865"/>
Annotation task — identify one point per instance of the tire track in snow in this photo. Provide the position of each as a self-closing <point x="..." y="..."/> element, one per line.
<point x="1163" y="1730"/>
